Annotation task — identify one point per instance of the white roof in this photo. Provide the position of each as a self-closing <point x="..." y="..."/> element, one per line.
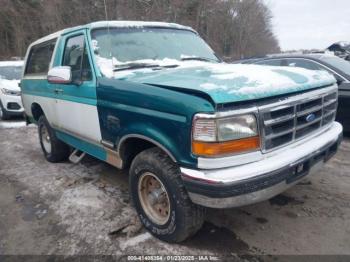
<point x="11" y="63"/>
<point x="138" y="24"/>
<point x="121" y="24"/>
<point x="48" y="38"/>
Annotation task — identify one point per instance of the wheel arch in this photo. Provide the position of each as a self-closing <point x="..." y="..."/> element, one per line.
<point x="138" y="143"/>
<point x="37" y="111"/>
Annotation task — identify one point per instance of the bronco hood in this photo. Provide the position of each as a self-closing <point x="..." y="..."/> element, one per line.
<point x="226" y="83"/>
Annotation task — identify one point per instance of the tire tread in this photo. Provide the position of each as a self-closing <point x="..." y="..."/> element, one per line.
<point x="59" y="150"/>
<point x="192" y="215"/>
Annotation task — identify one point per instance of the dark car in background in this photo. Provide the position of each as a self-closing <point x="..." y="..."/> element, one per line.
<point x="341" y="49"/>
<point x="340" y="68"/>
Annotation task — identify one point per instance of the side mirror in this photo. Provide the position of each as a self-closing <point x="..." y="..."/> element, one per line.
<point x="339" y="79"/>
<point x="60" y="75"/>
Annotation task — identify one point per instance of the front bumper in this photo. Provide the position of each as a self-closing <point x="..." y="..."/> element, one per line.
<point x="261" y="180"/>
<point x="12" y="104"/>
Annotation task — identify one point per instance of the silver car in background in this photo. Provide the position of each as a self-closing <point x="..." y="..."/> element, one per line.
<point x="10" y="91"/>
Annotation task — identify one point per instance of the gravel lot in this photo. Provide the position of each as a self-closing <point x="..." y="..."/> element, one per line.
<point x="84" y="209"/>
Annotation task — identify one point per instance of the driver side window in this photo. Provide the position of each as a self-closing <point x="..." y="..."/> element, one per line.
<point x="75" y="56"/>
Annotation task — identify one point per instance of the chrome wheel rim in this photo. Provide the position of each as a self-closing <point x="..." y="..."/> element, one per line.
<point x="46" y="140"/>
<point x="154" y="198"/>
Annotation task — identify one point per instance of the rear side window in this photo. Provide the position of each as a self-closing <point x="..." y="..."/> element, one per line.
<point x="39" y="59"/>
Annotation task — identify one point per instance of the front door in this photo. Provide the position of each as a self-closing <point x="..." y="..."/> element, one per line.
<point x="76" y="102"/>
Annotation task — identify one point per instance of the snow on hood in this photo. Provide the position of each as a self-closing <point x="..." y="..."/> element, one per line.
<point x="12" y="85"/>
<point x="224" y="82"/>
<point x="107" y="65"/>
<point x="11" y="63"/>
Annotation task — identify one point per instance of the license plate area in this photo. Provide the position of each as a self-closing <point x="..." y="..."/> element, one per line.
<point x="298" y="171"/>
<point x="302" y="168"/>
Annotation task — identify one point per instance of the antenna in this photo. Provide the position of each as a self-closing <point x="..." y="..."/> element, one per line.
<point x="106" y="14"/>
<point x="109" y="33"/>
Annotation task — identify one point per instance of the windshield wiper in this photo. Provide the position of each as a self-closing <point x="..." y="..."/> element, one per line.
<point x="197" y="58"/>
<point x="129" y="66"/>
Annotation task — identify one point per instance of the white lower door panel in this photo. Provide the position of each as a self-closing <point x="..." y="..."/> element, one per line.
<point x="79" y="119"/>
<point x="75" y="118"/>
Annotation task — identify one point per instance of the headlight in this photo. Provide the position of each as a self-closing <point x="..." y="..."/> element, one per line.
<point x="10" y="92"/>
<point x="236" y="134"/>
<point x="237" y="127"/>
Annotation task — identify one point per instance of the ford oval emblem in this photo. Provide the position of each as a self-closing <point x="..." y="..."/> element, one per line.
<point x="310" y="118"/>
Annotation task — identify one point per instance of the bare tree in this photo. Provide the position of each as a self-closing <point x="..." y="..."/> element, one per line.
<point x="234" y="28"/>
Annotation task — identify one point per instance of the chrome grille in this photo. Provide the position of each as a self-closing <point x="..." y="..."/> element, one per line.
<point x="287" y="121"/>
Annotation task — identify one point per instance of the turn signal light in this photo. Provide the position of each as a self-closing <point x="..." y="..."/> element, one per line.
<point x="223" y="148"/>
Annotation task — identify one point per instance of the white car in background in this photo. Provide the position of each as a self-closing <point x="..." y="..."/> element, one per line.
<point x="10" y="91"/>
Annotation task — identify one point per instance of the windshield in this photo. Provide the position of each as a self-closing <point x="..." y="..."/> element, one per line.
<point x="130" y="45"/>
<point x="338" y="63"/>
<point x="10" y="72"/>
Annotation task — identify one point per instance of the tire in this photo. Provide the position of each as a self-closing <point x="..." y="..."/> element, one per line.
<point x="183" y="218"/>
<point x="3" y="113"/>
<point x="54" y="150"/>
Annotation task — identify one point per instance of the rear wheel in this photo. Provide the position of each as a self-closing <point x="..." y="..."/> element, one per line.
<point x="161" y="199"/>
<point x="54" y="149"/>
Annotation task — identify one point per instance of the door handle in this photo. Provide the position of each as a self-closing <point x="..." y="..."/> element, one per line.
<point x="58" y="91"/>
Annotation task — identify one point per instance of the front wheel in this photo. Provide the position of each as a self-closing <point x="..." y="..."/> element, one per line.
<point x="3" y="113"/>
<point x="54" y="149"/>
<point x="161" y="199"/>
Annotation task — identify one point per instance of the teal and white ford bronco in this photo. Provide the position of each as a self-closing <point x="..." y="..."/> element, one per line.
<point x="193" y="131"/>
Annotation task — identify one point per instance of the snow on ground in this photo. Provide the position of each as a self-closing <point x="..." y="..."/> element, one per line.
<point x="12" y="124"/>
<point x="84" y="209"/>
